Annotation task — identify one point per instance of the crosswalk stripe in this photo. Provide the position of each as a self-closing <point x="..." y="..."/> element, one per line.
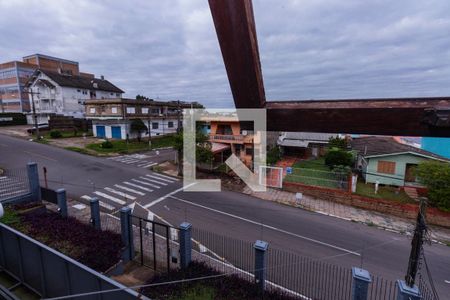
<point x="101" y="203"/>
<point x="165" y="176"/>
<point x="120" y="193"/>
<point x="128" y="189"/>
<point x="138" y="186"/>
<point x="152" y="181"/>
<point x="114" y="199"/>
<point x="155" y="181"/>
<point x="130" y="161"/>
<point x="149" y="165"/>
<point x="159" y="178"/>
<point x="146" y="183"/>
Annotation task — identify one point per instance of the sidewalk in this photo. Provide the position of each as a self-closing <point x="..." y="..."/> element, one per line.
<point x="390" y="223"/>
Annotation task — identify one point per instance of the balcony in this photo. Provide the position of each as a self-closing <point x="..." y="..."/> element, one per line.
<point x="229" y="138"/>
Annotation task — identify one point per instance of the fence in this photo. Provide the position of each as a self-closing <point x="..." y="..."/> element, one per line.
<point x="13" y="184"/>
<point x="290" y="274"/>
<point x="321" y="178"/>
<point x="50" y="273"/>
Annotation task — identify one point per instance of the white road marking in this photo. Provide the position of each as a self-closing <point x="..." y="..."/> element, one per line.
<point x="159" y="178"/>
<point x="101" y="203"/>
<point x="143" y="163"/>
<point x="129" y="190"/>
<point x="138" y="186"/>
<point x="164" y="176"/>
<point x="152" y="180"/>
<point x="168" y="195"/>
<point x="146" y="183"/>
<point x="128" y="162"/>
<point x="149" y="165"/>
<point x="120" y="193"/>
<point x="447" y="281"/>
<point x="267" y="226"/>
<point x="114" y="199"/>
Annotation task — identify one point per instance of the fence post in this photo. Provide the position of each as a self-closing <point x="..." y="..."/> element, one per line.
<point x="260" y="263"/>
<point x="360" y="285"/>
<point x="62" y="202"/>
<point x="33" y="179"/>
<point x="127" y="233"/>
<point x="407" y="293"/>
<point x="185" y="244"/>
<point x="95" y="213"/>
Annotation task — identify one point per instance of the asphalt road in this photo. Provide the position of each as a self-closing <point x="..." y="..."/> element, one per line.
<point x="227" y="213"/>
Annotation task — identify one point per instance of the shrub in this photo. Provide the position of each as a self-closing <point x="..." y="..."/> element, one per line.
<point x="107" y="145"/>
<point x="436" y="176"/>
<point x="55" y="134"/>
<point x="336" y="142"/>
<point x="273" y="155"/>
<point x="338" y="157"/>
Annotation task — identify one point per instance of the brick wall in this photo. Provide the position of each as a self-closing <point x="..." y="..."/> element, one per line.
<point x="434" y="216"/>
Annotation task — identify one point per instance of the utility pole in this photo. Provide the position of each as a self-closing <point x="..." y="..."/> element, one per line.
<point x="178" y="116"/>
<point x="30" y="91"/>
<point x="149" y="128"/>
<point x="416" y="244"/>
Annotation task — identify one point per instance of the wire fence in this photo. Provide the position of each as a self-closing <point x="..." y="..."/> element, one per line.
<point x="14" y="183"/>
<point x="321" y="178"/>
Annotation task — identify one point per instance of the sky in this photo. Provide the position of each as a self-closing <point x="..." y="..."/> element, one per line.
<point x="310" y="49"/>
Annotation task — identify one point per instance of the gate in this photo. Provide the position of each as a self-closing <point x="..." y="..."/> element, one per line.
<point x="157" y="244"/>
<point x="271" y="176"/>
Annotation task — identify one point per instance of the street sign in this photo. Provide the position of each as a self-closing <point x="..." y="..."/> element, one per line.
<point x="289" y="170"/>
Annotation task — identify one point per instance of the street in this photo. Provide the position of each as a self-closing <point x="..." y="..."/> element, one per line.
<point x="122" y="181"/>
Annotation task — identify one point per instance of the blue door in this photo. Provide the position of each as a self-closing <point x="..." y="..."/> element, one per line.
<point x="116" y="132"/>
<point x="101" y="131"/>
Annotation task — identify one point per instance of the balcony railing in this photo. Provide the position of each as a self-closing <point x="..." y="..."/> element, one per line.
<point x="231" y="138"/>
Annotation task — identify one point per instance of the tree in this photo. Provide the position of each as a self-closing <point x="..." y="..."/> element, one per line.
<point x="138" y="126"/>
<point x="436" y="177"/>
<point x="273" y="155"/>
<point x="338" y="157"/>
<point x="337" y="142"/>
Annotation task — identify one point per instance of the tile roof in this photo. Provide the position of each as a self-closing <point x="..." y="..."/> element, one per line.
<point x="82" y="82"/>
<point x="377" y="145"/>
<point x="302" y="139"/>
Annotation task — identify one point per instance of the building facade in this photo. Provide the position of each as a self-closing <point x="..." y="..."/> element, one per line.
<point x="56" y="93"/>
<point x="15" y="74"/>
<point x="112" y="118"/>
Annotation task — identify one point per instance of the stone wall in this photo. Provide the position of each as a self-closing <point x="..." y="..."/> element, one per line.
<point x="407" y="210"/>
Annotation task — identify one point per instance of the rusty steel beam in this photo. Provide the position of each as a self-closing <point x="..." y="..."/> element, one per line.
<point x="406" y="116"/>
<point x="235" y="26"/>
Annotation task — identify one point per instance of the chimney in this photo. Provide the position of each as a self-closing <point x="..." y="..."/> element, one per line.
<point x="102" y="77"/>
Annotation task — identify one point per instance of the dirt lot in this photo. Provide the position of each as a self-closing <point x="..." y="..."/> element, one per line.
<point x="17" y="130"/>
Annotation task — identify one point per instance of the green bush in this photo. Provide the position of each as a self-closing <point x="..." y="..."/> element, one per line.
<point x="436" y="176"/>
<point x="107" y="145"/>
<point x="55" y="134"/>
<point x="273" y="155"/>
<point x="337" y="157"/>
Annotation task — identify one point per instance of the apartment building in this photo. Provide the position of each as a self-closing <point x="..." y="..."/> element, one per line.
<point x="111" y="118"/>
<point x="15" y="74"/>
<point x="61" y="93"/>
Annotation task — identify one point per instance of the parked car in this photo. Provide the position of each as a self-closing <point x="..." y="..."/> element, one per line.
<point x="41" y="126"/>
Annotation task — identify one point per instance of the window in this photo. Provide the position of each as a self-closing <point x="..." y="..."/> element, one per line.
<point x="92" y="110"/>
<point x="111" y="94"/>
<point x="155" y="125"/>
<point x="170" y="124"/>
<point x="78" y="91"/>
<point x="114" y="110"/>
<point x="131" y="110"/>
<point x="117" y="95"/>
<point x="386" y="167"/>
<point x="249" y="151"/>
<point x="145" y="110"/>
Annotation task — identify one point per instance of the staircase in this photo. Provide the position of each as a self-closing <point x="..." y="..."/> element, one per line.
<point x="411" y="192"/>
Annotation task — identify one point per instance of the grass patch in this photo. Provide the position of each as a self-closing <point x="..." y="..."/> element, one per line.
<point x="121" y="146"/>
<point x="68" y="134"/>
<point x="316" y="173"/>
<point x="41" y="141"/>
<point x="384" y="192"/>
<point x="77" y="149"/>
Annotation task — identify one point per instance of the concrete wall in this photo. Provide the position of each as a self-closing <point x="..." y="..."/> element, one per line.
<point x="396" y="179"/>
<point x="126" y="124"/>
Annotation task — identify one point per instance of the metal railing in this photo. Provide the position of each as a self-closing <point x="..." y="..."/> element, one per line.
<point x="14" y="183"/>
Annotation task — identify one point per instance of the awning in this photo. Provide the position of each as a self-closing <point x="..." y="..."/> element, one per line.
<point x="219" y="147"/>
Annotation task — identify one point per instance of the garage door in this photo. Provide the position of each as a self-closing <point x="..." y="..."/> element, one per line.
<point x="116" y="132"/>
<point x="101" y="131"/>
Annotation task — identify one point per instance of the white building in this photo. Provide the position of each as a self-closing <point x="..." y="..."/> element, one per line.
<point x="64" y="94"/>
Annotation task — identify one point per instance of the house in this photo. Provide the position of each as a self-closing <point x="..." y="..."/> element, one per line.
<point x="15" y="74"/>
<point x="62" y="93"/>
<point x="111" y="118"/>
<point x="389" y="162"/>
<point x="304" y="144"/>
<point x="229" y="136"/>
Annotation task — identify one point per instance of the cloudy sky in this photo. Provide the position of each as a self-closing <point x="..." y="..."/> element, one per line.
<point x="310" y="49"/>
